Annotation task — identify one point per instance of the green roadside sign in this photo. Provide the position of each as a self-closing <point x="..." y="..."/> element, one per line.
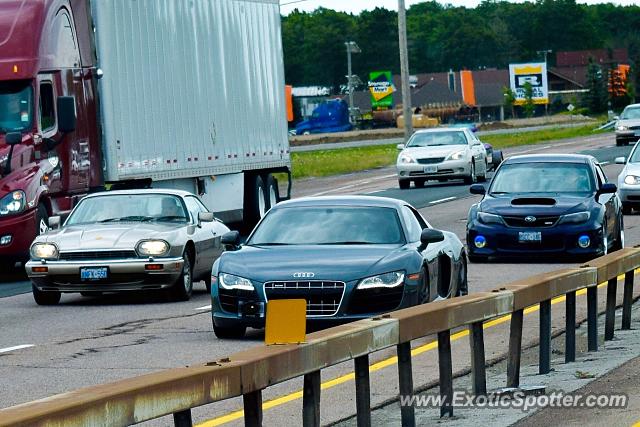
<point x="381" y="88"/>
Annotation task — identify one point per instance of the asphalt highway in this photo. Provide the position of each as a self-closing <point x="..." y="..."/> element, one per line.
<point x="85" y="341"/>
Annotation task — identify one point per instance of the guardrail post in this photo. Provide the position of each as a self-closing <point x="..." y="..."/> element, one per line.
<point x="544" y="362"/>
<point x="515" y="347"/>
<point x="311" y="400"/>
<point x="592" y="318"/>
<point x="610" y="314"/>
<point x="363" y="394"/>
<point x="405" y="381"/>
<point x="570" y="328"/>
<point x="478" y="372"/>
<point x="183" y="418"/>
<point x="446" y="372"/>
<point x="628" y="300"/>
<point x="253" y="409"/>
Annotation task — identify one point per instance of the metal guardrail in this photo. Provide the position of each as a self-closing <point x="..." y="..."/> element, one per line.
<point x="247" y="373"/>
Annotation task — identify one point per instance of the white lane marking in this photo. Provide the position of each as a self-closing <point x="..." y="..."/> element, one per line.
<point x="442" y="200"/>
<point x="17" y="347"/>
<point x="346" y="187"/>
<point x="206" y="307"/>
<point x="604" y="163"/>
<point x="535" y="149"/>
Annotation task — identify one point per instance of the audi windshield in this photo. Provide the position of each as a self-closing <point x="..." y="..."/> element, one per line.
<point x="327" y="225"/>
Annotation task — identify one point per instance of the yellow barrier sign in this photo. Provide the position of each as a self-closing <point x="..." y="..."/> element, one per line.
<point x="286" y="321"/>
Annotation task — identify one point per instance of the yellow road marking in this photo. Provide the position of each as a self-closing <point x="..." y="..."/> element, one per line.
<point x="232" y="416"/>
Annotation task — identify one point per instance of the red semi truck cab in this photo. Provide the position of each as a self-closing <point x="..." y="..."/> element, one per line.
<point x="48" y="159"/>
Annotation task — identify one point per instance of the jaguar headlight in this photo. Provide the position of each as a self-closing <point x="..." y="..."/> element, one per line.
<point x="575" y="218"/>
<point x="487" y="218"/>
<point x="44" y="251"/>
<point x="386" y="280"/>
<point x="13" y="203"/>
<point x="153" y="248"/>
<point x="456" y="155"/>
<point x="405" y="158"/>
<point x="632" y="180"/>
<point x="229" y="281"/>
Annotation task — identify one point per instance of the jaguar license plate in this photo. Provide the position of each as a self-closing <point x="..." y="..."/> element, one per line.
<point x="431" y="169"/>
<point x="530" y="236"/>
<point x="94" y="273"/>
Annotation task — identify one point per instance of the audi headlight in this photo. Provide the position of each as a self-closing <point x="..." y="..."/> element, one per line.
<point x="153" y="248"/>
<point x="44" y="251"/>
<point x="456" y="155"/>
<point x="622" y="127"/>
<point x="487" y="218"/>
<point x="632" y="180"/>
<point x="575" y="218"/>
<point x="405" y="158"/>
<point x="13" y="203"/>
<point x="386" y="280"/>
<point x="229" y="281"/>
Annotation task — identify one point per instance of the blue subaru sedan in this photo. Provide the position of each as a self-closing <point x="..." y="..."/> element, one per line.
<point x="546" y="205"/>
<point x="349" y="257"/>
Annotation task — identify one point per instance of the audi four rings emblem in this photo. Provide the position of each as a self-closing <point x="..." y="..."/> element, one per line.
<point x="530" y="219"/>
<point x="303" y="275"/>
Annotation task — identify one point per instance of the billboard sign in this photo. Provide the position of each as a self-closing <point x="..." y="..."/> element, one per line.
<point x="533" y="73"/>
<point x="381" y="88"/>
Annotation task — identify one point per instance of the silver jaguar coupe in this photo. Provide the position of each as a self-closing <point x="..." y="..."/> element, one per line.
<point x="127" y="240"/>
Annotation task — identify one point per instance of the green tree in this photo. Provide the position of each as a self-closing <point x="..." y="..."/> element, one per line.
<point x="597" y="97"/>
<point x="529" y="106"/>
<point x="509" y="100"/>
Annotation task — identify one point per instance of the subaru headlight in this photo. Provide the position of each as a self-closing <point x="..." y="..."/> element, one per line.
<point x="153" y="248"/>
<point x="44" y="251"/>
<point x="13" y="203"/>
<point x="575" y="218"/>
<point x="456" y="155"/>
<point x="632" y="180"/>
<point x="229" y="281"/>
<point x="487" y="218"/>
<point x="622" y="127"/>
<point x="405" y="158"/>
<point x="386" y="280"/>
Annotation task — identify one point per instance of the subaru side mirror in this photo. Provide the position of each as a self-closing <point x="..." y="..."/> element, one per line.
<point x="478" y="189"/>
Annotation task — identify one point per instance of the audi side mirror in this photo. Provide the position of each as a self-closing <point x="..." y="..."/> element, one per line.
<point x="231" y="239"/>
<point x="429" y="235"/>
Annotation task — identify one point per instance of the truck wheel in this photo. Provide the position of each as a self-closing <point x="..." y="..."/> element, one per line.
<point x="255" y="201"/>
<point x="183" y="287"/>
<point x="45" y="298"/>
<point x="272" y="195"/>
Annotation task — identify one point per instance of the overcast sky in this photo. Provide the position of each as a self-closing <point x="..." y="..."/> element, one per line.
<point x="355" y="6"/>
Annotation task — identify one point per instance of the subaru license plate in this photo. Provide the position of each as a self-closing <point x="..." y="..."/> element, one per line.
<point x="94" y="273"/>
<point x="530" y="236"/>
<point x="431" y="169"/>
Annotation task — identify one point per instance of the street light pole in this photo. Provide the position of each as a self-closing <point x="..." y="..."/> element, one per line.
<point x="352" y="47"/>
<point x="404" y="71"/>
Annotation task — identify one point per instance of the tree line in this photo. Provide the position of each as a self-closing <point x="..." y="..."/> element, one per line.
<point x="443" y="37"/>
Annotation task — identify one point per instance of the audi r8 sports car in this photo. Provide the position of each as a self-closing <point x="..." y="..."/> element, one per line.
<point x="127" y="240"/>
<point x="348" y="257"/>
<point x="546" y="205"/>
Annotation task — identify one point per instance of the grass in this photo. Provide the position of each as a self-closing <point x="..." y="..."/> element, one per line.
<point x="321" y="163"/>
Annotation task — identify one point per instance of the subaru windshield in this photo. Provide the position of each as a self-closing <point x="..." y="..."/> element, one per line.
<point x="16" y="106"/>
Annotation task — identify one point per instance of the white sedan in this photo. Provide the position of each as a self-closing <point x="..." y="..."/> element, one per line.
<point x="441" y="154"/>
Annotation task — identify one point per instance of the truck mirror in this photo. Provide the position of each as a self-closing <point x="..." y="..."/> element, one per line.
<point x="13" y="138"/>
<point x="66" y="114"/>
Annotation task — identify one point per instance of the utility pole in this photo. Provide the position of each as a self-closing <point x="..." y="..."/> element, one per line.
<point x="352" y="47"/>
<point x="404" y="71"/>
